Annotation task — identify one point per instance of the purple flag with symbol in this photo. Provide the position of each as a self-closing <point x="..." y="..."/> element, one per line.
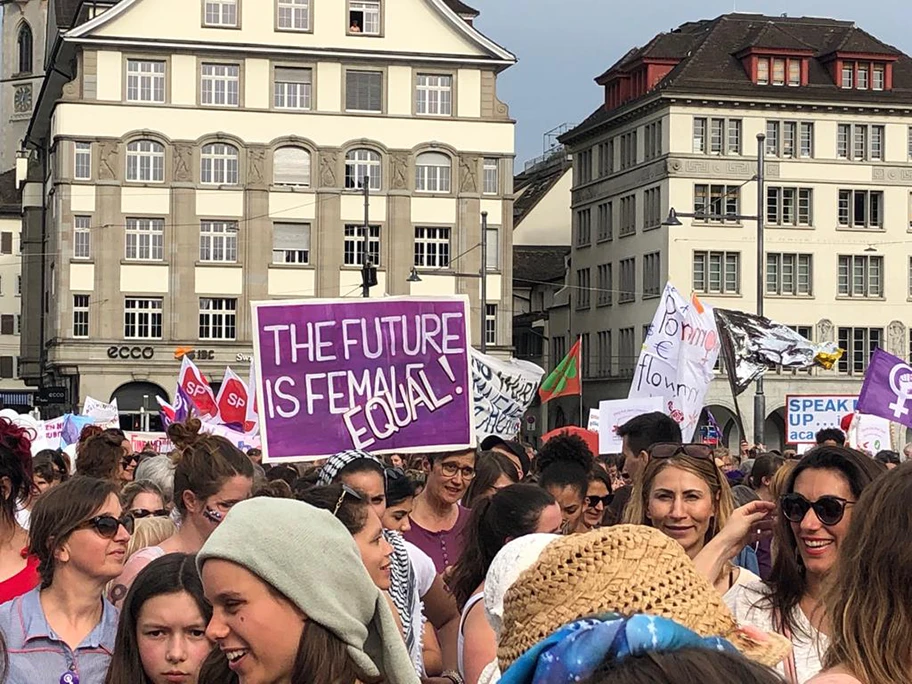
<point x="887" y="389"/>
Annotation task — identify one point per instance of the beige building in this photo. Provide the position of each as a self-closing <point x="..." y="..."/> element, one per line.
<point x="679" y="130"/>
<point x="198" y="161"/>
<point x="13" y="392"/>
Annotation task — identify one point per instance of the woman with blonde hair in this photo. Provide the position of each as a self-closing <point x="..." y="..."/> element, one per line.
<point x="870" y="604"/>
<point x="685" y="495"/>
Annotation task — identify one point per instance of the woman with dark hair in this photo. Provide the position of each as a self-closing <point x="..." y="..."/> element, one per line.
<point x="64" y="630"/>
<point x="400" y="498"/>
<point x="279" y="615"/>
<point x="211" y="475"/>
<point x="564" y="464"/>
<point x="598" y="496"/>
<point x="47" y="470"/>
<point x="102" y="456"/>
<point x="815" y="511"/>
<point x="493" y="472"/>
<point x="18" y="570"/>
<point x="161" y="638"/>
<point x="762" y="473"/>
<point x="512" y="512"/>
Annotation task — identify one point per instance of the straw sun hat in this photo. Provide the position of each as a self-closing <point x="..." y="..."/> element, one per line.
<point x="625" y="569"/>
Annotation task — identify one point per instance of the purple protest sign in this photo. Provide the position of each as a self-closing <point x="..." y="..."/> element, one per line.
<point x="887" y="389"/>
<point x="383" y="375"/>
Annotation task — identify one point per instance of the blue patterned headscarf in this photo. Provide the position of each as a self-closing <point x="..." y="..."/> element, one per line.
<point x="574" y="652"/>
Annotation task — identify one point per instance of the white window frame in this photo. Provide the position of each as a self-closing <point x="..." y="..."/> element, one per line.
<point x="147" y="315"/>
<point x="860" y="142"/>
<point x="493" y="248"/>
<point x="353" y="245"/>
<point x="860" y="276"/>
<point x="293" y="15"/>
<point x="434" y="94"/>
<point x="371" y="17"/>
<point x="432" y="247"/>
<point x="82" y="237"/>
<point x="763" y="74"/>
<point x="81" y="316"/>
<point x="845" y="209"/>
<point x="82" y="161"/>
<point x="848" y="75"/>
<point x="144" y="239"/>
<point x="433" y="177"/>
<point x="490" y="331"/>
<point x="729" y="200"/>
<point x="146" y="81"/>
<point x="297" y="251"/>
<point x="789" y="206"/>
<point x="220" y="84"/>
<point x="362" y="162"/>
<point x="294" y="95"/>
<point x="292" y="172"/>
<point x="221" y="13"/>
<point x="855" y="361"/>
<point x="727" y="276"/>
<point x="879" y="77"/>
<point x="219" y="164"/>
<point x="217" y="318"/>
<point x="491" y="176"/>
<point x="145" y="161"/>
<point x="218" y="242"/>
<point x="789" y="275"/>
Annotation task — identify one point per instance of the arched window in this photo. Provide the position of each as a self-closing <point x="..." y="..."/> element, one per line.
<point x="360" y="163"/>
<point x="25" y="49"/>
<point x="145" y="161"/>
<point x="219" y="164"/>
<point x="433" y="172"/>
<point x="291" y="166"/>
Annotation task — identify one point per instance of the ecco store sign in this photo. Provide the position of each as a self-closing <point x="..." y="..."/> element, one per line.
<point x="131" y="353"/>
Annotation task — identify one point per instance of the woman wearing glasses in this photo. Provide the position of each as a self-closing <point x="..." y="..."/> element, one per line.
<point x="210" y="477"/>
<point x="64" y="630"/>
<point x="685" y="495"/>
<point x="144" y="499"/>
<point x="815" y="510"/>
<point x="598" y="496"/>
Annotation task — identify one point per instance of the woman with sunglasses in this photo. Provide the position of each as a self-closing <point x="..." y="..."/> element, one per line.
<point x="144" y="499"/>
<point x="493" y="471"/>
<point x="161" y="638"/>
<point x="815" y="510"/>
<point x="416" y="588"/>
<point x="685" y="495"/>
<point x="64" y="630"/>
<point x="512" y="512"/>
<point x="598" y="496"/>
<point x="211" y="475"/>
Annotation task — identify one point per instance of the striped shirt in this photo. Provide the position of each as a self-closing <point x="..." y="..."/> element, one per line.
<point x="38" y="655"/>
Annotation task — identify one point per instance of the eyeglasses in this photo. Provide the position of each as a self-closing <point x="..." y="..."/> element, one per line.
<point x="350" y="492"/>
<point x="107" y="525"/>
<point x="671" y="449"/>
<point x="593" y="501"/>
<point x="828" y="509"/>
<point x="450" y="470"/>
<point x="127" y="461"/>
<point x="145" y="513"/>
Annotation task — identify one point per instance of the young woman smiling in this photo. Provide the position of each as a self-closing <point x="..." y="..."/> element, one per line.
<point x="815" y="510"/>
<point x="161" y="638"/>
<point x="684" y="494"/>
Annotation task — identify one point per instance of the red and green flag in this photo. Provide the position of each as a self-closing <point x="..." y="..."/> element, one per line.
<point x="565" y="379"/>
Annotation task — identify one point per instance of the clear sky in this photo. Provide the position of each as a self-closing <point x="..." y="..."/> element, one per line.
<point x="563" y="44"/>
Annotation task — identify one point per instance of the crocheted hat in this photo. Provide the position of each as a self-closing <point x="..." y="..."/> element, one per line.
<point x="626" y="569"/>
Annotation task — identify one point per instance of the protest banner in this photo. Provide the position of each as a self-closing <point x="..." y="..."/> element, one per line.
<point x="616" y="412"/>
<point x="384" y="375"/>
<point x="502" y="392"/>
<point x="242" y="440"/>
<point x="887" y="388"/>
<point x="677" y="359"/>
<point x="48" y="434"/>
<point x="100" y="412"/>
<point x="806" y="414"/>
<point x="593" y="424"/>
<point x="869" y="433"/>
<point x="156" y="441"/>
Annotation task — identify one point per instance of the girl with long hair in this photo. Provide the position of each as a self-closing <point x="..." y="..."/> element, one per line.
<point x="493" y="471"/>
<point x="512" y="512"/>
<point x="562" y="469"/>
<point x="161" y="637"/>
<point x="18" y="569"/>
<point x="816" y="506"/>
<point x="598" y="496"/>
<point x="211" y="475"/>
<point x="870" y="605"/>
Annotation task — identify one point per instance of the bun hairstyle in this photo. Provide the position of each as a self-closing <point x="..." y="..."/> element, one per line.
<point x="16" y="464"/>
<point x="565" y="461"/>
<point x="203" y="462"/>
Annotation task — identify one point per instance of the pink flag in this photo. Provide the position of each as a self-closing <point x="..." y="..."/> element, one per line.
<point x="251" y="419"/>
<point x="197" y="389"/>
<point x="232" y="399"/>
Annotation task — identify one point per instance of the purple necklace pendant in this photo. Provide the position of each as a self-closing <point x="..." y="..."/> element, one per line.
<point x="69" y="678"/>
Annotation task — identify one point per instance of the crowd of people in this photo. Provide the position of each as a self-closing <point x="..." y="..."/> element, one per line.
<point x="668" y="563"/>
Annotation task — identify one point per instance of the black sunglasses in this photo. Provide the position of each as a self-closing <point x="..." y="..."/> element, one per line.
<point x="146" y="513"/>
<point x="671" y="449"/>
<point x="593" y="501"/>
<point x="828" y="509"/>
<point x="107" y="525"/>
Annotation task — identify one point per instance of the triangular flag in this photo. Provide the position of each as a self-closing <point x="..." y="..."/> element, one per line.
<point x="565" y="379"/>
<point x="197" y="389"/>
<point x="232" y="399"/>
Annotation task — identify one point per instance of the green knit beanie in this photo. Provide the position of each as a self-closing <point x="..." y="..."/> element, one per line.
<point x="307" y="555"/>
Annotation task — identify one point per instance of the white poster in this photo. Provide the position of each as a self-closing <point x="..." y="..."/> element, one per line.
<point x="616" y="412"/>
<point x="593" y="425"/>
<point x="677" y="358"/>
<point x="870" y="433"/>
<point x="100" y="412"/>
<point x="503" y="390"/>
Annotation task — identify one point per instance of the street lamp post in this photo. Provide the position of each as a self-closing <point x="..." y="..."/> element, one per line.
<point x="672" y="220"/>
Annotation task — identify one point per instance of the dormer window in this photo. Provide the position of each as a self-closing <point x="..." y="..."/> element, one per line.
<point x="763" y="71"/>
<point x="779" y="71"/>
<point x="794" y="72"/>
<point x="857" y="75"/>
<point x="879" y="79"/>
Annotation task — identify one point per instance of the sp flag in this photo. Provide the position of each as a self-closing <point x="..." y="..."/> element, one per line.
<point x="197" y="388"/>
<point x="887" y="389"/>
<point x="232" y="400"/>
